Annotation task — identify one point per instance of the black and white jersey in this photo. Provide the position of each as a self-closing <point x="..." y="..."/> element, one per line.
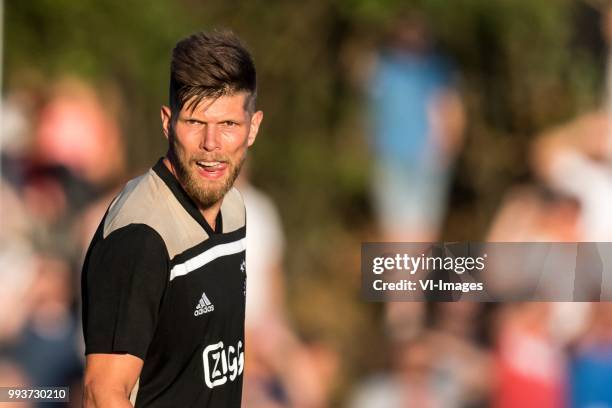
<point x="160" y="284"/>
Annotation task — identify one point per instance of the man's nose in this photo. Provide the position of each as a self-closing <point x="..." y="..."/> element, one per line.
<point x="209" y="140"/>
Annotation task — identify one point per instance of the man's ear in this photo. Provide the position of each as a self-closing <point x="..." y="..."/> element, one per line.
<point x="166" y="117"/>
<point x="255" y="122"/>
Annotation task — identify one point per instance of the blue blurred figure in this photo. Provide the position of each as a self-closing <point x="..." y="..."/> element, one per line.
<point x="418" y="121"/>
<point x="590" y="367"/>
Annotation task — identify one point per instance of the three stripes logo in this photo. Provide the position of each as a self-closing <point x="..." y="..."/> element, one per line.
<point x="204" y="306"/>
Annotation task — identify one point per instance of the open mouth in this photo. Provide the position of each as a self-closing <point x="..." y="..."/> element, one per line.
<point x="211" y="169"/>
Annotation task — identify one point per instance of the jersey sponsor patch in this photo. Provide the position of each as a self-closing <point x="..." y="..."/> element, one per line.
<point x="222" y="364"/>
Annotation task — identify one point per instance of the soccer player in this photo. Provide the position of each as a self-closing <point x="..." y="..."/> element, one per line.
<point x="164" y="280"/>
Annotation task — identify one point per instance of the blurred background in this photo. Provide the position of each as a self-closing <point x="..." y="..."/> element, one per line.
<point x="384" y="120"/>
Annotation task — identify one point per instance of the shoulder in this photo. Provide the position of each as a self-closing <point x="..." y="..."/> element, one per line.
<point x="233" y="211"/>
<point x="126" y="248"/>
<point x="148" y="200"/>
<point x="132" y="236"/>
<point x="140" y="202"/>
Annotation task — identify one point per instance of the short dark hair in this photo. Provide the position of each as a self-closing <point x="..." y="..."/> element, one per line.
<point x="210" y="65"/>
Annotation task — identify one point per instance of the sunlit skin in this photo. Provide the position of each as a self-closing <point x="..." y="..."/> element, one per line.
<point x="207" y="147"/>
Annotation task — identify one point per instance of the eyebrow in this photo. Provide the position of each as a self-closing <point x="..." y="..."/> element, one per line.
<point x="225" y="119"/>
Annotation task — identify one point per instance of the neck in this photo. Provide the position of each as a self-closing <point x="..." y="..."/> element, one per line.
<point x="209" y="213"/>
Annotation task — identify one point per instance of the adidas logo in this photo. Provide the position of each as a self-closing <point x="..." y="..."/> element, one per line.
<point x="204" y="306"/>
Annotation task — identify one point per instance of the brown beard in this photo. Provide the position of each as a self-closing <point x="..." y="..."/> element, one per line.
<point x="203" y="194"/>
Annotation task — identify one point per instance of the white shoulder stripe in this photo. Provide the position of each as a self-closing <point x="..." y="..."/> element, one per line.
<point x="207" y="256"/>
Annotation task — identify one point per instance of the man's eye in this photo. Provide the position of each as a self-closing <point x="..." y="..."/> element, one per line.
<point x="229" y="123"/>
<point x="193" y="122"/>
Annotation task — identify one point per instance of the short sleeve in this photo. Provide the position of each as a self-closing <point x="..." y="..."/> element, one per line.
<point x="124" y="279"/>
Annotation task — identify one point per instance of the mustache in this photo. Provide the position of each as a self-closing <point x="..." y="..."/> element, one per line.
<point x="213" y="158"/>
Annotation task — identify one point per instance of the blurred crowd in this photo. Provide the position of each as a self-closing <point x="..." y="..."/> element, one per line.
<point x="464" y="354"/>
<point x="64" y="159"/>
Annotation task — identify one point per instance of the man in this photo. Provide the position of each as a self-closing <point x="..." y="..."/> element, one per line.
<point x="164" y="280"/>
<point x="417" y="123"/>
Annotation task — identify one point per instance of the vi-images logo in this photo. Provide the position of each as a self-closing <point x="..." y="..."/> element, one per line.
<point x="204" y="306"/>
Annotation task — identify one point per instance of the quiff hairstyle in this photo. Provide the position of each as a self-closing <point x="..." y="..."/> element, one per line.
<point x="210" y="65"/>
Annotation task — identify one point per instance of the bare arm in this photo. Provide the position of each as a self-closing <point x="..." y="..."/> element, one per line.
<point x="587" y="135"/>
<point x="109" y="380"/>
<point x="447" y="117"/>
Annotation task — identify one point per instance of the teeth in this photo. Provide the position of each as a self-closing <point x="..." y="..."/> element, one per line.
<point x="208" y="164"/>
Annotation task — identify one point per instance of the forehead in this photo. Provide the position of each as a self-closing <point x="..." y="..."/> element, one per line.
<point x="234" y="104"/>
